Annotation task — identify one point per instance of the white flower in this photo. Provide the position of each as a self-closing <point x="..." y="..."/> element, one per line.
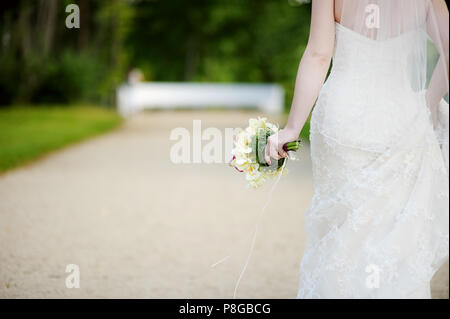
<point x="273" y="127"/>
<point x="254" y="176"/>
<point x="242" y="163"/>
<point x="255" y="124"/>
<point x="243" y="157"/>
<point x="242" y="144"/>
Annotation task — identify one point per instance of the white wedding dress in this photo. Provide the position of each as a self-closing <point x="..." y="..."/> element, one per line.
<point x="378" y="224"/>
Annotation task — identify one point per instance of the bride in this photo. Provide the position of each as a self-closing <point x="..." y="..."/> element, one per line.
<point x="378" y="223"/>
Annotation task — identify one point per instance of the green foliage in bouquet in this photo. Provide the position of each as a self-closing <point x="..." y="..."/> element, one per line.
<point x="258" y="146"/>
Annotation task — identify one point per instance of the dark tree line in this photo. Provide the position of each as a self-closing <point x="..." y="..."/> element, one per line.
<point x="42" y="61"/>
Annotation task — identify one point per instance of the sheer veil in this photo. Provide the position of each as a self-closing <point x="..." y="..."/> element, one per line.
<point x="421" y="61"/>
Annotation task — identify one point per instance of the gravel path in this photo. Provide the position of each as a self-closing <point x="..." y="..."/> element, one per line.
<point x="139" y="226"/>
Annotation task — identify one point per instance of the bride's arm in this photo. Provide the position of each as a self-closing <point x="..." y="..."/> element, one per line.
<point x="437" y="25"/>
<point x="311" y="74"/>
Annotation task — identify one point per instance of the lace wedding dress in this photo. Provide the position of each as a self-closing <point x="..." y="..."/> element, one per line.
<point x="378" y="224"/>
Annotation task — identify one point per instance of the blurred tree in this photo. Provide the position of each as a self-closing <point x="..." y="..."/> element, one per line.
<point x="218" y="40"/>
<point x="204" y="40"/>
<point x="43" y="61"/>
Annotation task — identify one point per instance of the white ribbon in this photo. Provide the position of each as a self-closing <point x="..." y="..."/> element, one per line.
<point x="255" y="232"/>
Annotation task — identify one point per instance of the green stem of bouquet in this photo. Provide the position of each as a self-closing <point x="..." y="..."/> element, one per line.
<point x="293" y="146"/>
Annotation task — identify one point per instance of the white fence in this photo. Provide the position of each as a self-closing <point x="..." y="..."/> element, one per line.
<point x="269" y="98"/>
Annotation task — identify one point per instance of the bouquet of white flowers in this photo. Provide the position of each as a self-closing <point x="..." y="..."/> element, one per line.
<point x="249" y="148"/>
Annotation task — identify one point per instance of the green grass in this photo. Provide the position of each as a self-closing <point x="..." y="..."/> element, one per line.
<point x="304" y="134"/>
<point x="28" y="132"/>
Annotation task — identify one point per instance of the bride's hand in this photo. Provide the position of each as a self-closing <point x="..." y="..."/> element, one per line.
<point x="275" y="142"/>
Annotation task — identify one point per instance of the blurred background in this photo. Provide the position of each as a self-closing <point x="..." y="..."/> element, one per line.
<point x="205" y="40"/>
<point x="136" y="224"/>
<point x="44" y="63"/>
